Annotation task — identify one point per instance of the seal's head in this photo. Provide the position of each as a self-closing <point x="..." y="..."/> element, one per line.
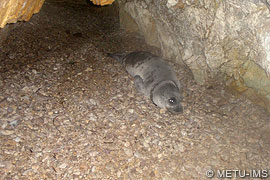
<point x="168" y="96"/>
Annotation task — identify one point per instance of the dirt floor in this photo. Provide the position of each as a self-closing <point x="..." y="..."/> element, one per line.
<point x="69" y="112"/>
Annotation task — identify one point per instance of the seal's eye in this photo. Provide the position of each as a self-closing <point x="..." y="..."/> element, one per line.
<point x="172" y="100"/>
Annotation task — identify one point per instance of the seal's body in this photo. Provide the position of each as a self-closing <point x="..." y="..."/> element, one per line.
<point x="154" y="78"/>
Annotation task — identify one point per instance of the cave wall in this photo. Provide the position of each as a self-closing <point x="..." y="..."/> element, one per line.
<point x="224" y="40"/>
<point x="12" y="11"/>
<point x="102" y="2"/>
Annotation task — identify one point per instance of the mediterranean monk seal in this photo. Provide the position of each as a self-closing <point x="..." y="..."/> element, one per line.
<point x="154" y="78"/>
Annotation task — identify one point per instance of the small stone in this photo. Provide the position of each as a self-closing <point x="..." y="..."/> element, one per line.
<point x="171" y="3"/>
<point x="92" y="102"/>
<point x="9" y="109"/>
<point x="118" y="174"/>
<point x="137" y="154"/>
<point x="62" y="166"/>
<point x="162" y="111"/>
<point x="25" y="88"/>
<point x="143" y="107"/>
<point x="76" y="172"/>
<point x="46" y="150"/>
<point x="128" y="152"/>
<point x="127" y="144"/>
<point x="88" y="69"/>
<point x="26" y="172"/>
<point x="148" y="139"/>
<point x="93" y="169"/>
<point x="145" y="144"/>
<point x="94" y="153"/>
<point x="93" y="117"/>
<point x="131" y="111"/>
<point x="183" y="132"/>
<point x="3" y="124"/>
<point x="180" y="148"/>
<point x="2" y="164"/>
<point x="7" y="132"/>
<point x="14" y="123"/>
<point x="17" y="139"/>
<point x="35" y="167"/>
<point x="130" y="95"/>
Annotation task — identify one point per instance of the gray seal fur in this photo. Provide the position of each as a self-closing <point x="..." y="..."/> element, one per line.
<point x="154" y="78"/>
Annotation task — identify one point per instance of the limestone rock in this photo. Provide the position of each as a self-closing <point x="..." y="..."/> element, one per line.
<point x="12" y="11"/>
<point x="102" y="2"/>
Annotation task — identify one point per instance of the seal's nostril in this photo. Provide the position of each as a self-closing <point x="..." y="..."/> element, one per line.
<point x="179" y="109"/>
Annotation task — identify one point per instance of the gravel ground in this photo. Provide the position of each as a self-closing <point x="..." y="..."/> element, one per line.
<point x="69" y="112"/>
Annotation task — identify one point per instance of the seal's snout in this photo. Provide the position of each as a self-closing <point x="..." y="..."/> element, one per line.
<point x="179" y="109"/>
<point x="176" y="110"/>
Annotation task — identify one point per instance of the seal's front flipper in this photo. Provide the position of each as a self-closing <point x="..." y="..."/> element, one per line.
<point x="118" y="56"/>
<point x="138" y="81"/>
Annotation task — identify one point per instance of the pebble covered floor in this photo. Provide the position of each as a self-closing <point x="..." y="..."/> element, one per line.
<point x="67" y="111"/>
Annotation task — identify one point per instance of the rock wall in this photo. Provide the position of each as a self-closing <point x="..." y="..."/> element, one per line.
<point x="12" y="11"/>
<point x="102" y="2"/>
<point x="228" y="40"/>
